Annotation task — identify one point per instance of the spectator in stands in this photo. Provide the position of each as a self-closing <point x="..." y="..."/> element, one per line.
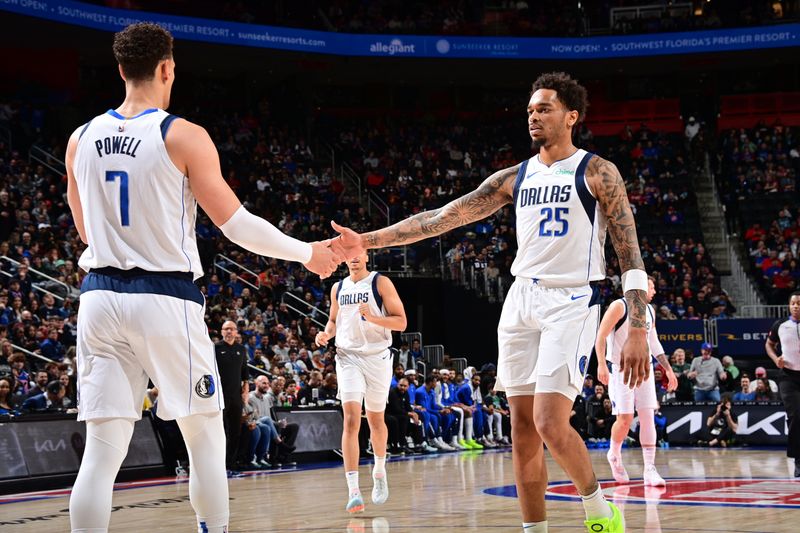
<point x="744" y="394"/>
<point x="53" y="399"/>
<point x="706" y="373"/>
<point x="329" y="388"/>
<point x="69" y="389"/>
<point x="577" y="417"/>
<point x="761" y="372"/>
<point x="692" y="128"/>
<point x="588" y="386"/>
<point x="600" y="422"/>
<point x="50" y="347"/>
<point x="763" y="392"/>
<point x="40" y="387"/>
<point x="20" y="374"/>
<point x="685" y="390"/>
<point x="722" y="424"/>
<point x="729" y="385"/>
<point x="309" y="394"/>
<point x="267" y="433"/>
<point x="499" y="417"/>
<point x="414" y="354"/>
<point x="403" y="356"/>
<point x="8" y="403"/>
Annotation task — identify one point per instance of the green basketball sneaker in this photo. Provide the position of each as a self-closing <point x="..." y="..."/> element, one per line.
<point x="615" y="524"/>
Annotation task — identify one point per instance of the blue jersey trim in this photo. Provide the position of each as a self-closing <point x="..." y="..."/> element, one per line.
<point x="189" y="341"/>
<point x="165" y="124"/>
<point x="183" y="216"/>
<point x="523" y="168"/>
<point x="588" y="201"/>
<point x="145" y="112"/>
<point x="86" y="127"/>
<point x="339" y="289"/>
<point x="150" y="283"/>
<point x="375" y="293"/>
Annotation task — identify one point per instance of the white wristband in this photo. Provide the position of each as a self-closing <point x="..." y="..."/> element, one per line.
<point x="634" y="280"/>
<point x="259" y="236"/>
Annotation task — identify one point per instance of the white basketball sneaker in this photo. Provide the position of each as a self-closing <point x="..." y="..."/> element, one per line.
<point x="617" y="468"/>
<point x="652" y="477"/>
<point x="380" y="488"/>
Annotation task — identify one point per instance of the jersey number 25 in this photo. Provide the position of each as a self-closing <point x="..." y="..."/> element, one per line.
<point x="556" y="215"/>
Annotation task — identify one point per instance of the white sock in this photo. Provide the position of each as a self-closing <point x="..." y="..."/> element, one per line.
<point x="469" y="429"/>
<point x="380" y="467"/>
<point x="352" y="482"/>
<point x="596" y="506"/>
<point x="616" y="447"/>
<point x="649" y="455"/>
<point x="534" y="527"/>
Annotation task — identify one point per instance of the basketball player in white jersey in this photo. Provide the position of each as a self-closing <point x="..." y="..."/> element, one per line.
<point x="611" y="338"/>
<point x="135" y="177"/>
<point x="365" y="309"/>
<point x="564" y="198"/>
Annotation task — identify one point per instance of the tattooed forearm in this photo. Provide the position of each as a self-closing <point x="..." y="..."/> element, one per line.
<point x="663" y="361"/>
<point x="610" y="191"/>
<point x="609" y="188"/>
<point x="490" y="196"/>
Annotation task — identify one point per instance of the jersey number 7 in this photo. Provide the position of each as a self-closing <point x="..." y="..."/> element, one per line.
<point x="112" y="175"/>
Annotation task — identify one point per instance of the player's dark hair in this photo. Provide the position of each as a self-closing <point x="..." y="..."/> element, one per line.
<point x="795" y="293"/>
<point x="138" y="49"/>
<point x="430" y="379"/>
<point x="569" y="92"/>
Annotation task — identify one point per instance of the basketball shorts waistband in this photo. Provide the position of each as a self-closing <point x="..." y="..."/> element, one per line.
<point x="138" y="281"/>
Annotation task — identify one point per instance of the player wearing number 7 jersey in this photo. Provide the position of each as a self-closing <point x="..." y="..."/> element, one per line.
<point x="135" y="177"/>
<point x="565" y="199"/>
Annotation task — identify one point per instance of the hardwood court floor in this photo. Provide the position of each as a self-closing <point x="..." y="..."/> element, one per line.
<point x="740" y="490"/>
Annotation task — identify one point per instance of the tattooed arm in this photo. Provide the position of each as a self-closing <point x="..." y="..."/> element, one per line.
<point x="491" y="195"/>
<point x="608" y="187"/>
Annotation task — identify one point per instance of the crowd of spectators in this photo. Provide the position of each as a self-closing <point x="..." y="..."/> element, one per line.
<point x="759" y="170"/>
<point x="520" y="18"/>
<point x="415" y="167"/>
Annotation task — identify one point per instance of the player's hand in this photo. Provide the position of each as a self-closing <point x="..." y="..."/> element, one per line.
<point x="602" y="372"/>
<point x="245" y="398"/>
<point x="780" y="361"/>
<point x="324" y="259"/>
<point x="635" y="359"/>
<point x="348" y="243"/>
<point x="363" y="309"/>
<point x="322" y="338"/>
<point x="672" y="381"/>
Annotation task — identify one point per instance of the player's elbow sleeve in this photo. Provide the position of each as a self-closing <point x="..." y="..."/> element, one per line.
<point x="259" y="236"/>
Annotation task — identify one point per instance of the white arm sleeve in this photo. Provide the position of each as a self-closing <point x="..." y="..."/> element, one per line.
<point x="259" y="236"/>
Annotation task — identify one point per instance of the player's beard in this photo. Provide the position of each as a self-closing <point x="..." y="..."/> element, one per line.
<point x="539" y="143"/>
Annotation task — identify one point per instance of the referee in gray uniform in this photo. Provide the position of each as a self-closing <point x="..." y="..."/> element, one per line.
<point x="785" y="337"/>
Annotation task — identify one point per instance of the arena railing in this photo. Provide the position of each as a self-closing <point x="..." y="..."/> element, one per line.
<point x="69" y="290"/>
<point x="218" y="265"/>
<point x="763" y="311"/>
<point x="32" y="354"/>
<point x="294" y="300"/>
<point x="433" y="354"/>
<point x="459" y="364"/>
<point x="410" y="337"/>
<point x="47" y="160"/>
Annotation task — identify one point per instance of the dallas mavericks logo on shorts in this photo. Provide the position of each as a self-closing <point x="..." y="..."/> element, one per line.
<point x="205" y="387"/>
<point x="582" y="364"/>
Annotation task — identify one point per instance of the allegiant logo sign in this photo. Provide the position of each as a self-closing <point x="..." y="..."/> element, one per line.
<point x="395" y="46"/>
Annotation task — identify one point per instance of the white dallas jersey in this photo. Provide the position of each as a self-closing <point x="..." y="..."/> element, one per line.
<point x="354" y="335"/>
<point x="138" y="209"/>
<point x="616" y="339"/>
<point x="561" y="231"/>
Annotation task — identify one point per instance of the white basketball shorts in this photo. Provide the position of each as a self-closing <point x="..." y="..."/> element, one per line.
<point x="368" y="377"/>
<point x="542" y="330"/>
<point x="135" y="327"/>
<point x="624" y="399"/>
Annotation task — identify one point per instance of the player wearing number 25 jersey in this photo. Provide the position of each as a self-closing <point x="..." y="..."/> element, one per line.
<point x="565" y="200"/>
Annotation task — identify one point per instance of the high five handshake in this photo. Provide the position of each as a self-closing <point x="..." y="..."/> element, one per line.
<point x="326" y="256"/>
